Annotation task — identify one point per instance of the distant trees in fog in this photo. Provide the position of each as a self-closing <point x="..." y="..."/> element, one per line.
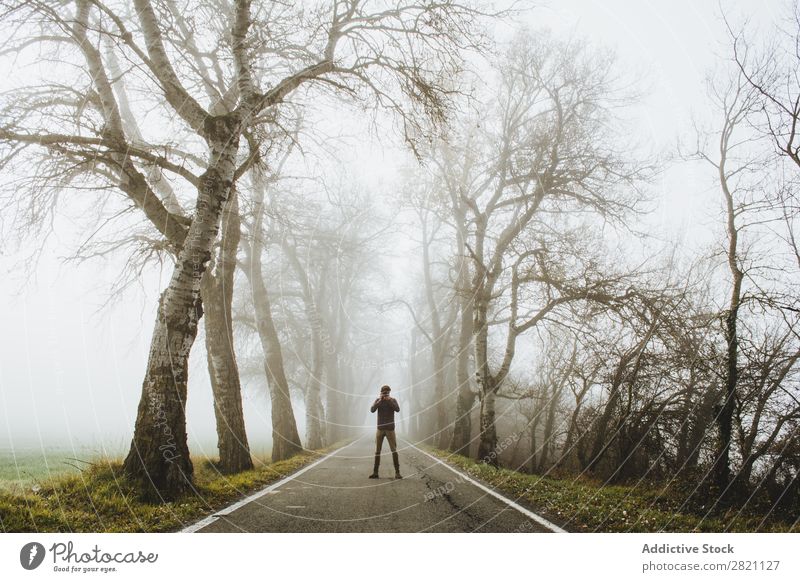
<point x="637" y="367"/>
<point x="212" y="78"/>
<point x="543" y="333"/>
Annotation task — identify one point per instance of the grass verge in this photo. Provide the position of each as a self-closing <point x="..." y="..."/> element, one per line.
<point x="582" y="505"/>
<point x="100" y="499"/>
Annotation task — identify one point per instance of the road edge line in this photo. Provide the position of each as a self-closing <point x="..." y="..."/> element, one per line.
<point x="208" y="520"/>
<point x="534" y="516"/>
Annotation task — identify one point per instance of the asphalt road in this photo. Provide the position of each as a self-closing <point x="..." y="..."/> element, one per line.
<point x="335" y="495"/>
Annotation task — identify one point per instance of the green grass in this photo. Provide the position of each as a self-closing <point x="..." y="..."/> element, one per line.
<point x="583" y="505"/>
<point x="100" y="499"/>
<point x="23" y="469"/>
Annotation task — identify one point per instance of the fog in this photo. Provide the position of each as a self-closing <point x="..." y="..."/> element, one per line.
<point x="81" y="389"/>
<point x="74" y="347"/>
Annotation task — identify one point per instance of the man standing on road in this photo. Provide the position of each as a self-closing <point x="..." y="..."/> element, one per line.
<point x="386" y="407"/>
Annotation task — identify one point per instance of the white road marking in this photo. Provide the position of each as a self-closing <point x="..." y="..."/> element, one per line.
<point x="269" y="489"/>
<point x="534" y="516"/>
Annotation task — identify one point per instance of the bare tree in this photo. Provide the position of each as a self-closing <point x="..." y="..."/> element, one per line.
<point x="542" y="149"/>
<point x="400" y="58"/>
<point x="736" y="102"/>
<point x="285" y="436"/>
<point x="217" y="293"/>
<point x="435" y="309"/>
<point x="455" y="163"/>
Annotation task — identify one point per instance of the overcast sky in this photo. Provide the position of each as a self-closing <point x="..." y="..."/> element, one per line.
<point x="70" y="374"/>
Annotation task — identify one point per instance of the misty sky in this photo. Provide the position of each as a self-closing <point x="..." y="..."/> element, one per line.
<point x="71" y="372"/>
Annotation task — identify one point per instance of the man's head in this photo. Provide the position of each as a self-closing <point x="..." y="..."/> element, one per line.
<point x="385" y="390"/>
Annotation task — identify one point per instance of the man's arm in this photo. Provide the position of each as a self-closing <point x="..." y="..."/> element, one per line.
<point x="395" y="405"/>
<point x="374" y="406"/>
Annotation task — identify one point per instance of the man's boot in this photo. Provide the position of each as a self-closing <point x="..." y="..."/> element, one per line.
<point x="377" y="464"/>
<point x="396" y="460"/>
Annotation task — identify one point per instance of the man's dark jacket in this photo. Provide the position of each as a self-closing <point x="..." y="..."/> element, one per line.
<point x="386" y="409"/>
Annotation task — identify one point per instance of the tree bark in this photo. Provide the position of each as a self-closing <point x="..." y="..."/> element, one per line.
<point x="315" y="439"/>
<point x="462" y="426"/>
<point x="487" y="447"/>
<point x="285" y="438"/>
<point x="314" y="410"/>
<point x="217" y="291"/>
<point x="313" y="398"/>
<point x="534" y="425"/>
<point x="159" y="453"/>
<point x="722" y="469"/>
<point x="437" y="342"/>
<point x="338" y="418"/>
<point x="461" y="438"/>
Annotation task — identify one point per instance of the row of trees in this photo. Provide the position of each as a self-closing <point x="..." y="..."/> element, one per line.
<point x="541" y="313"/>
<point x="188" y="112"/>
<point x="636" y="364"/>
